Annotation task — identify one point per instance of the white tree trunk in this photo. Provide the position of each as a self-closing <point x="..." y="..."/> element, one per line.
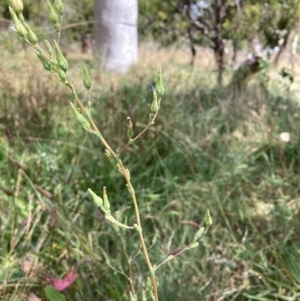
<point x="116" y="34"/>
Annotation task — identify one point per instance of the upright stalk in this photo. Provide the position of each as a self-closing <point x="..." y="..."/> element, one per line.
<point x="138" y="221"/>
<point x="136" y="208"/>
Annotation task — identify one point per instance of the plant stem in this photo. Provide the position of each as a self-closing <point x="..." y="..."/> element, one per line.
<point x="136" y="208"/>
<point x="141" y="133"/>
<point x="138" y="221"/>
<point x="125" y="174"/>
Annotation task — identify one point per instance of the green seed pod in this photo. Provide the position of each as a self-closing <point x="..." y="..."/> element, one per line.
<point x="86" y="77"/>
<point x="49" y="48"/>
<point x="194" y="245"/>
<point x="47" y="65"/>
<point x="106" y="204"/>
<point x="13" y="15"/>
<point x="79" y="117"/>
<point x="20" y="29"/>
<point x="97" y="200"/>
<point x="159" y="86"/>
<point x="154" y="106"/>
<point x="52" y="14"/>
<point x="129" y="128"/>
<point x="199" y="233"/>
<point x="86" y="125"/>
<point x="112" y="159"/>
<point x="208" y="220"/>
<point x="59" y="7"/>
<point x="16" y="5"/>
<point x="31" y="36"/>
<point x="61" y="61"/>
<point x="62" y="75"/>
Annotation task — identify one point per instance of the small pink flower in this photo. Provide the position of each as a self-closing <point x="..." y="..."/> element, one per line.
<point x="61" y="284"/>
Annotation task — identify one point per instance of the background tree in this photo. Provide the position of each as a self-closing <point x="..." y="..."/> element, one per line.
<point x="115" y="33"/>
<point x="275" y="21"/>
<point x="210" y="22"/>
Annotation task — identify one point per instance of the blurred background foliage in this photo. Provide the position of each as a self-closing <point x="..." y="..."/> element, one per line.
<point x="167" y="21"/>
<point x="236" y="154"/>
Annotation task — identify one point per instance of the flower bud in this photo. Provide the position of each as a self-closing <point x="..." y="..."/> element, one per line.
<point x="154" y="106"/>
<point x="97" y="200"/>
<point x="86" y="77"/>
<point x="79" y="117"/>
<point x="106" y="204"/>
<point x="208" y="220"/>
<point x="159" y="86"/>
<point x="129" y="128"/>
<point x="52" y="14"/>
<point x="31" y="36"/>
<point x="62" y="75"/>
<point x="13" y="15"/>
<point x="112" y="159"/>
<point x="47" y="65"/>
<point x="16" y="5"/>
<point x="199" y="233"/>
<point x="86" y="125"/>
<point x="20" y="29"/>
<point x="61" y="61"/>
<point x="49" y="48"/>
<point x="59" y="7"/>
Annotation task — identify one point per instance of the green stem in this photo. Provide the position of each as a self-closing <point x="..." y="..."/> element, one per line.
<point x="138" y="221"/>
<point x="136" y="208"/>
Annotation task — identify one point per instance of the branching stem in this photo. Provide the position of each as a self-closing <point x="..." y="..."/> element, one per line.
<point x="140" y="134"/>
<point x="125" y="174"/>
<point x="136" y="208"/>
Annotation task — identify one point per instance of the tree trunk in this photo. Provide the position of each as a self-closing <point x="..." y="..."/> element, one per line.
<point x="116" y="39"/>
<point x="219" y="57"/>
<point x="220" y="14"/>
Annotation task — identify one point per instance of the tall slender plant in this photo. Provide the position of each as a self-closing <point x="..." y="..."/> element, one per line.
<point x="55" y="62"/>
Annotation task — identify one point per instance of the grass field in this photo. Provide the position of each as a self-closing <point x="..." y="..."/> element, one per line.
<point x="207" y="150"/>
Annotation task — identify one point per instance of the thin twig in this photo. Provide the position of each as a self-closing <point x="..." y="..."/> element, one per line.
<point x="140" y="134"/>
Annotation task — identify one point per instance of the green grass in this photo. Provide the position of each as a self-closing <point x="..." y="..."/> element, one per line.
<point x="207" y="150"/>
